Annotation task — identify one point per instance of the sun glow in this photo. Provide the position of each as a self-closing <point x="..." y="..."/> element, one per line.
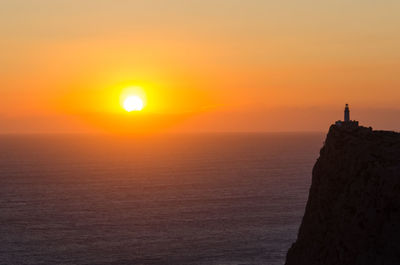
<point x="133" y="103"/>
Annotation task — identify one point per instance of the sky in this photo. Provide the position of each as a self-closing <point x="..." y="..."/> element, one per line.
<point x="199" y="65"/>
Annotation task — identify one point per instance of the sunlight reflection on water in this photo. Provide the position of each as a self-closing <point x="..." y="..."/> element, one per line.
<point x="183" y="199"/>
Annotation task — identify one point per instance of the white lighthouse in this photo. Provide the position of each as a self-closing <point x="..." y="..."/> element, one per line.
<point x="347" y="123"/>
<point x="346" y="113"/>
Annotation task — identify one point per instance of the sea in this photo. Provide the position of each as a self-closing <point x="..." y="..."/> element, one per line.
<point x="179" y="199"/>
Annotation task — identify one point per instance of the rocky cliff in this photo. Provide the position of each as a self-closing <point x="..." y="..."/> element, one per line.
<point x="353" y="209"/>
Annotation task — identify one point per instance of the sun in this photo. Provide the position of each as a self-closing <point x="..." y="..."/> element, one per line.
<point x="133" y="103"/>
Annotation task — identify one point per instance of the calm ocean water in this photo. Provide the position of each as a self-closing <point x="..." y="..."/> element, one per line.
<point x="179" y="199"/>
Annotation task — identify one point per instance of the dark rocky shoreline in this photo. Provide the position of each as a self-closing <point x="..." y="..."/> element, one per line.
<point x="353" y="210"/>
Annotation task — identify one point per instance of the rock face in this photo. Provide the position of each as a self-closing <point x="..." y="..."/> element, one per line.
<point x="353" y="209"/>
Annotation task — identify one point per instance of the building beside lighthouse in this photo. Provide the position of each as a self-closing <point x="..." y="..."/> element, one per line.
<point x="347" y="122"/>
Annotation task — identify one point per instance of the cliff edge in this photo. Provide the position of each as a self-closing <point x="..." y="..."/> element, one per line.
<point x="353" y="210"/>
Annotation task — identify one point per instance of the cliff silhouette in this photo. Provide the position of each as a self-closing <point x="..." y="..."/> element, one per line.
<point x="353" y="210"/>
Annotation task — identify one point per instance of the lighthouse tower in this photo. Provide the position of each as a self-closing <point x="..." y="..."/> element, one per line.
<point x="347" y="123"/>
<point x="346" y="113"/>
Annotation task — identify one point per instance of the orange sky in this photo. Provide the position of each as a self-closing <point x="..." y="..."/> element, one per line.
<point x="224" y="65"/>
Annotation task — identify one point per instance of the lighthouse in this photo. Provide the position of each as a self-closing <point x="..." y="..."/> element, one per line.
<point x="346" y="113"/>
<point x="347" y="123"/>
